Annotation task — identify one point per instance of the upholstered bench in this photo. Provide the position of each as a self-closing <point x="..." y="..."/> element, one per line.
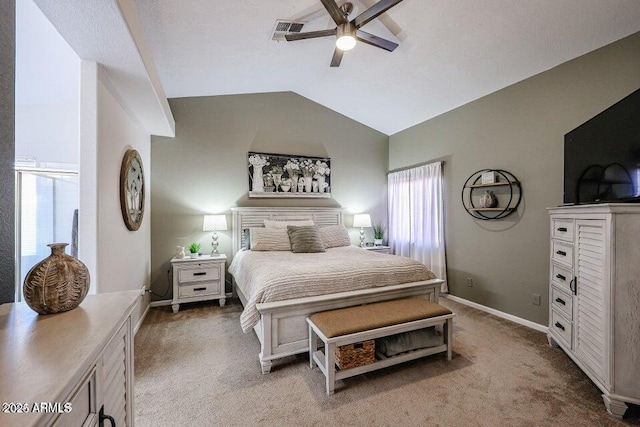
<point x="337" y="328"/>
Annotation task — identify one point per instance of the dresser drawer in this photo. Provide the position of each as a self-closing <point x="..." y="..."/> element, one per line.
<point x="562" y="301"/>
<point x="562" y="253"/>
<point x="561" y="327"/>
<point x="199" y="273"/>
<point x="83" y="405"/>
<point x="196" y="290"/>
<point x="561" y="276"/>
<point x="562" y="229"/>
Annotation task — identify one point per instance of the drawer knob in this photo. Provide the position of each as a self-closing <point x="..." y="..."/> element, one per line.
<point x="199" y="289"/>
<point x="561" y="301"/>
<point x="563" y="253"/>
<point x="200" y="273"/>
<point x="559" y="326"/>
<point x="563" y="229"/>
<point x="561" y="277"/>
<point x="573" y="285"/>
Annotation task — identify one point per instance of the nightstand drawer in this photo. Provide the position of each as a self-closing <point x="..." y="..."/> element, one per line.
<point x="186" y="291"/>
<point x="562" y="253"/>
<point x="562" y="229"/>
<point x="199" y="274"/>
<point x="562" y="301"/>
<point x="561" y="327"/>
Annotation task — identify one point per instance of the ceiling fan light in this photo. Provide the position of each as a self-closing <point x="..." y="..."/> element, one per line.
<point x="346" y="42"/>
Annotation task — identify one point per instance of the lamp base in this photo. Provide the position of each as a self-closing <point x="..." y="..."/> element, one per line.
<point x="214" y="245"/>
<point x="362" y="237"/>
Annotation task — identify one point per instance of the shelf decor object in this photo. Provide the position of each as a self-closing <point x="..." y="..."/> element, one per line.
<point x="505" y="193"/>
<point x="214" y="223"/>
<point x="56" y="284"/>
<point x="362" y="220"/>
<point x="288" y="176"/>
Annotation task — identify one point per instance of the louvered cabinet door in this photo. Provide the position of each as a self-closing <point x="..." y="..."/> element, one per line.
<point x="116" y="385"/>
<point x="590" y="301"/>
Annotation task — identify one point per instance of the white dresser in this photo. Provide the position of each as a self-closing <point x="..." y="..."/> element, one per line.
<point x="594" y="311"/>
<point x="198" y="279"/>
<point x="67" y="369"/>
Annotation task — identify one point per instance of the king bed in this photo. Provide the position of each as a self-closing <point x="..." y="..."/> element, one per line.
<point x="279" y="288"/>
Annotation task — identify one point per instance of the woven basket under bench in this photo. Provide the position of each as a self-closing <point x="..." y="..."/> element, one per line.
<point x="356" y="354"/>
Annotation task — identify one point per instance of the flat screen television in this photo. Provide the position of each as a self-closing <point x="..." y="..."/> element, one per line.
<point x="602" y="156"/>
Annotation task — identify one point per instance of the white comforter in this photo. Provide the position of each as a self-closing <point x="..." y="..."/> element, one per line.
<point x="279" y="275"/>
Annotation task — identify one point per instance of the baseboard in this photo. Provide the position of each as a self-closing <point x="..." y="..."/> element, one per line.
<point x="161" y="303"/>
<point x="146" y="310"/>
<point x="511" y="317"/>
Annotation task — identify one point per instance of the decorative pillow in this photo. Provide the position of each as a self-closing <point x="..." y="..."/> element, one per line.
<point x="269" y="239"/>
<point x="305" y="239"/>
<point x="245" y="240"/>
<point x="334" y="236"/>
<point x="268" y="223"/>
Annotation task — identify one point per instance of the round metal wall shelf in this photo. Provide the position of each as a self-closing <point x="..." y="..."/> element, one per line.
<point x="508" y="192"/>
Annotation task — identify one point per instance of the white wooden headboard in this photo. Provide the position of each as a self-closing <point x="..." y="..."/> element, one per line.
<point x="254" y="217"/>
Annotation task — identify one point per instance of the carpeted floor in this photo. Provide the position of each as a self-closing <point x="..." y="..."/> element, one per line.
<point x="197" y="368"/>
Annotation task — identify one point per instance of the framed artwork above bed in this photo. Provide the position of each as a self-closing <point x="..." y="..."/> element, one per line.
<point x="288" y="176"/>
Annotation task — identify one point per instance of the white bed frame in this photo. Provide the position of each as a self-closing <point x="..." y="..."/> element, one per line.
<point x="282" y="329"/>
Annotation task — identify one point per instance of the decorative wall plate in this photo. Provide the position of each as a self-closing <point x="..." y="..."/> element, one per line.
<point x="132" y="189"/>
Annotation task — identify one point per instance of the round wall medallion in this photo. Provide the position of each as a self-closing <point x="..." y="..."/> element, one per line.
<point x="132" y="189"/>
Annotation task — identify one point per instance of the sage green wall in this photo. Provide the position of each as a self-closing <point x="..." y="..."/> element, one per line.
<point x="7" y="149"/>
<point x="204" y="168"/>
<point x="520" y="129"/>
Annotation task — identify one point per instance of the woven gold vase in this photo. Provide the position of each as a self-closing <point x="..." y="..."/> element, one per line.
<point x="57" y="283"/>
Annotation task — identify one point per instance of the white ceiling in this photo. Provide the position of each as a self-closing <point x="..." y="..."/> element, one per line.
<point x="451" y="51"/>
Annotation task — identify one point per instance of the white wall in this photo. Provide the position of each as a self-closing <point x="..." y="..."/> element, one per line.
<point x="47" y="91"/>
<point x="123" y="255"/>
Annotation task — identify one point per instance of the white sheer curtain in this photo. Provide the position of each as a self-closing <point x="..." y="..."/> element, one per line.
<point x="416" y="217"/>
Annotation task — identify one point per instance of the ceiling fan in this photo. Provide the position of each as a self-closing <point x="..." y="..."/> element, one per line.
<point x="347" y="32"/>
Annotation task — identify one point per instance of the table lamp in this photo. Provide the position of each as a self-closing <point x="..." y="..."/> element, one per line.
<point x="214" y="223"/>
<point x="362" y="220"/>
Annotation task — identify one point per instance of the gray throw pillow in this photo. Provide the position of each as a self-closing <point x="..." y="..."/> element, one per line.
<point x="305" y="239"/>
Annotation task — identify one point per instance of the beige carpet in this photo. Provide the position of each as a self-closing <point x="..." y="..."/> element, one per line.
<point x="197" y="368"/>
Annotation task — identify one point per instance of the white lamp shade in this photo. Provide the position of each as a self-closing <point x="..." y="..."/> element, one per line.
<point x="362" y="220"/>
<point x="214" y="223"/>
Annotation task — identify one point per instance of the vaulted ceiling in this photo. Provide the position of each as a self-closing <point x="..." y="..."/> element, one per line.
<point x="450" y="53"/>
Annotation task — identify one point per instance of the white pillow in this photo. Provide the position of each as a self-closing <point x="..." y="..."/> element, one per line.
<point x="269" y="239"/>
<point x="334" y="236"/>
<point x="268" y="223"/>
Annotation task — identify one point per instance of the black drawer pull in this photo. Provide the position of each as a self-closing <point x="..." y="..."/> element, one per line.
<point x="199" y="289"/>
<point x="563" y="253"/>
<point x="563" y="229"/>
<point x="561" y="277"/>
<point x="559" y="326"/>
<point x="561" y="301"/>
<point x="201" y="273"/>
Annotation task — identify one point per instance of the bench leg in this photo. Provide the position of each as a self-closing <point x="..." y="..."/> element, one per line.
<point x="313" y="346"/>
<point x="330" y="364"/>
<point x="448" y="333"/>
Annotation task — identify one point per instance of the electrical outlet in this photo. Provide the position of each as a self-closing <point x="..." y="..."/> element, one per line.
<point x="536" y="299"/>
<point x="469" y="282"/>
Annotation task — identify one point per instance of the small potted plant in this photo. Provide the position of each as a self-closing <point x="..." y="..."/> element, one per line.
<point x="378" y="234"/>
<point x="194" y="248"/>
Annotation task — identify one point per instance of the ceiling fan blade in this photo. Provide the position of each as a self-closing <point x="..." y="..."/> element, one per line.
<point x="373" y="12"/>
<point x="337" y="57"/>
<point x="309" y="35"/>
<point x="335" y="12"/>
<point x="375" y="41"/>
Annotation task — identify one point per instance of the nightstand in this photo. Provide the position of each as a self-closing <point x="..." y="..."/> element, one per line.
<point x="379" y="249"/>
<point x="199" y="279"/>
